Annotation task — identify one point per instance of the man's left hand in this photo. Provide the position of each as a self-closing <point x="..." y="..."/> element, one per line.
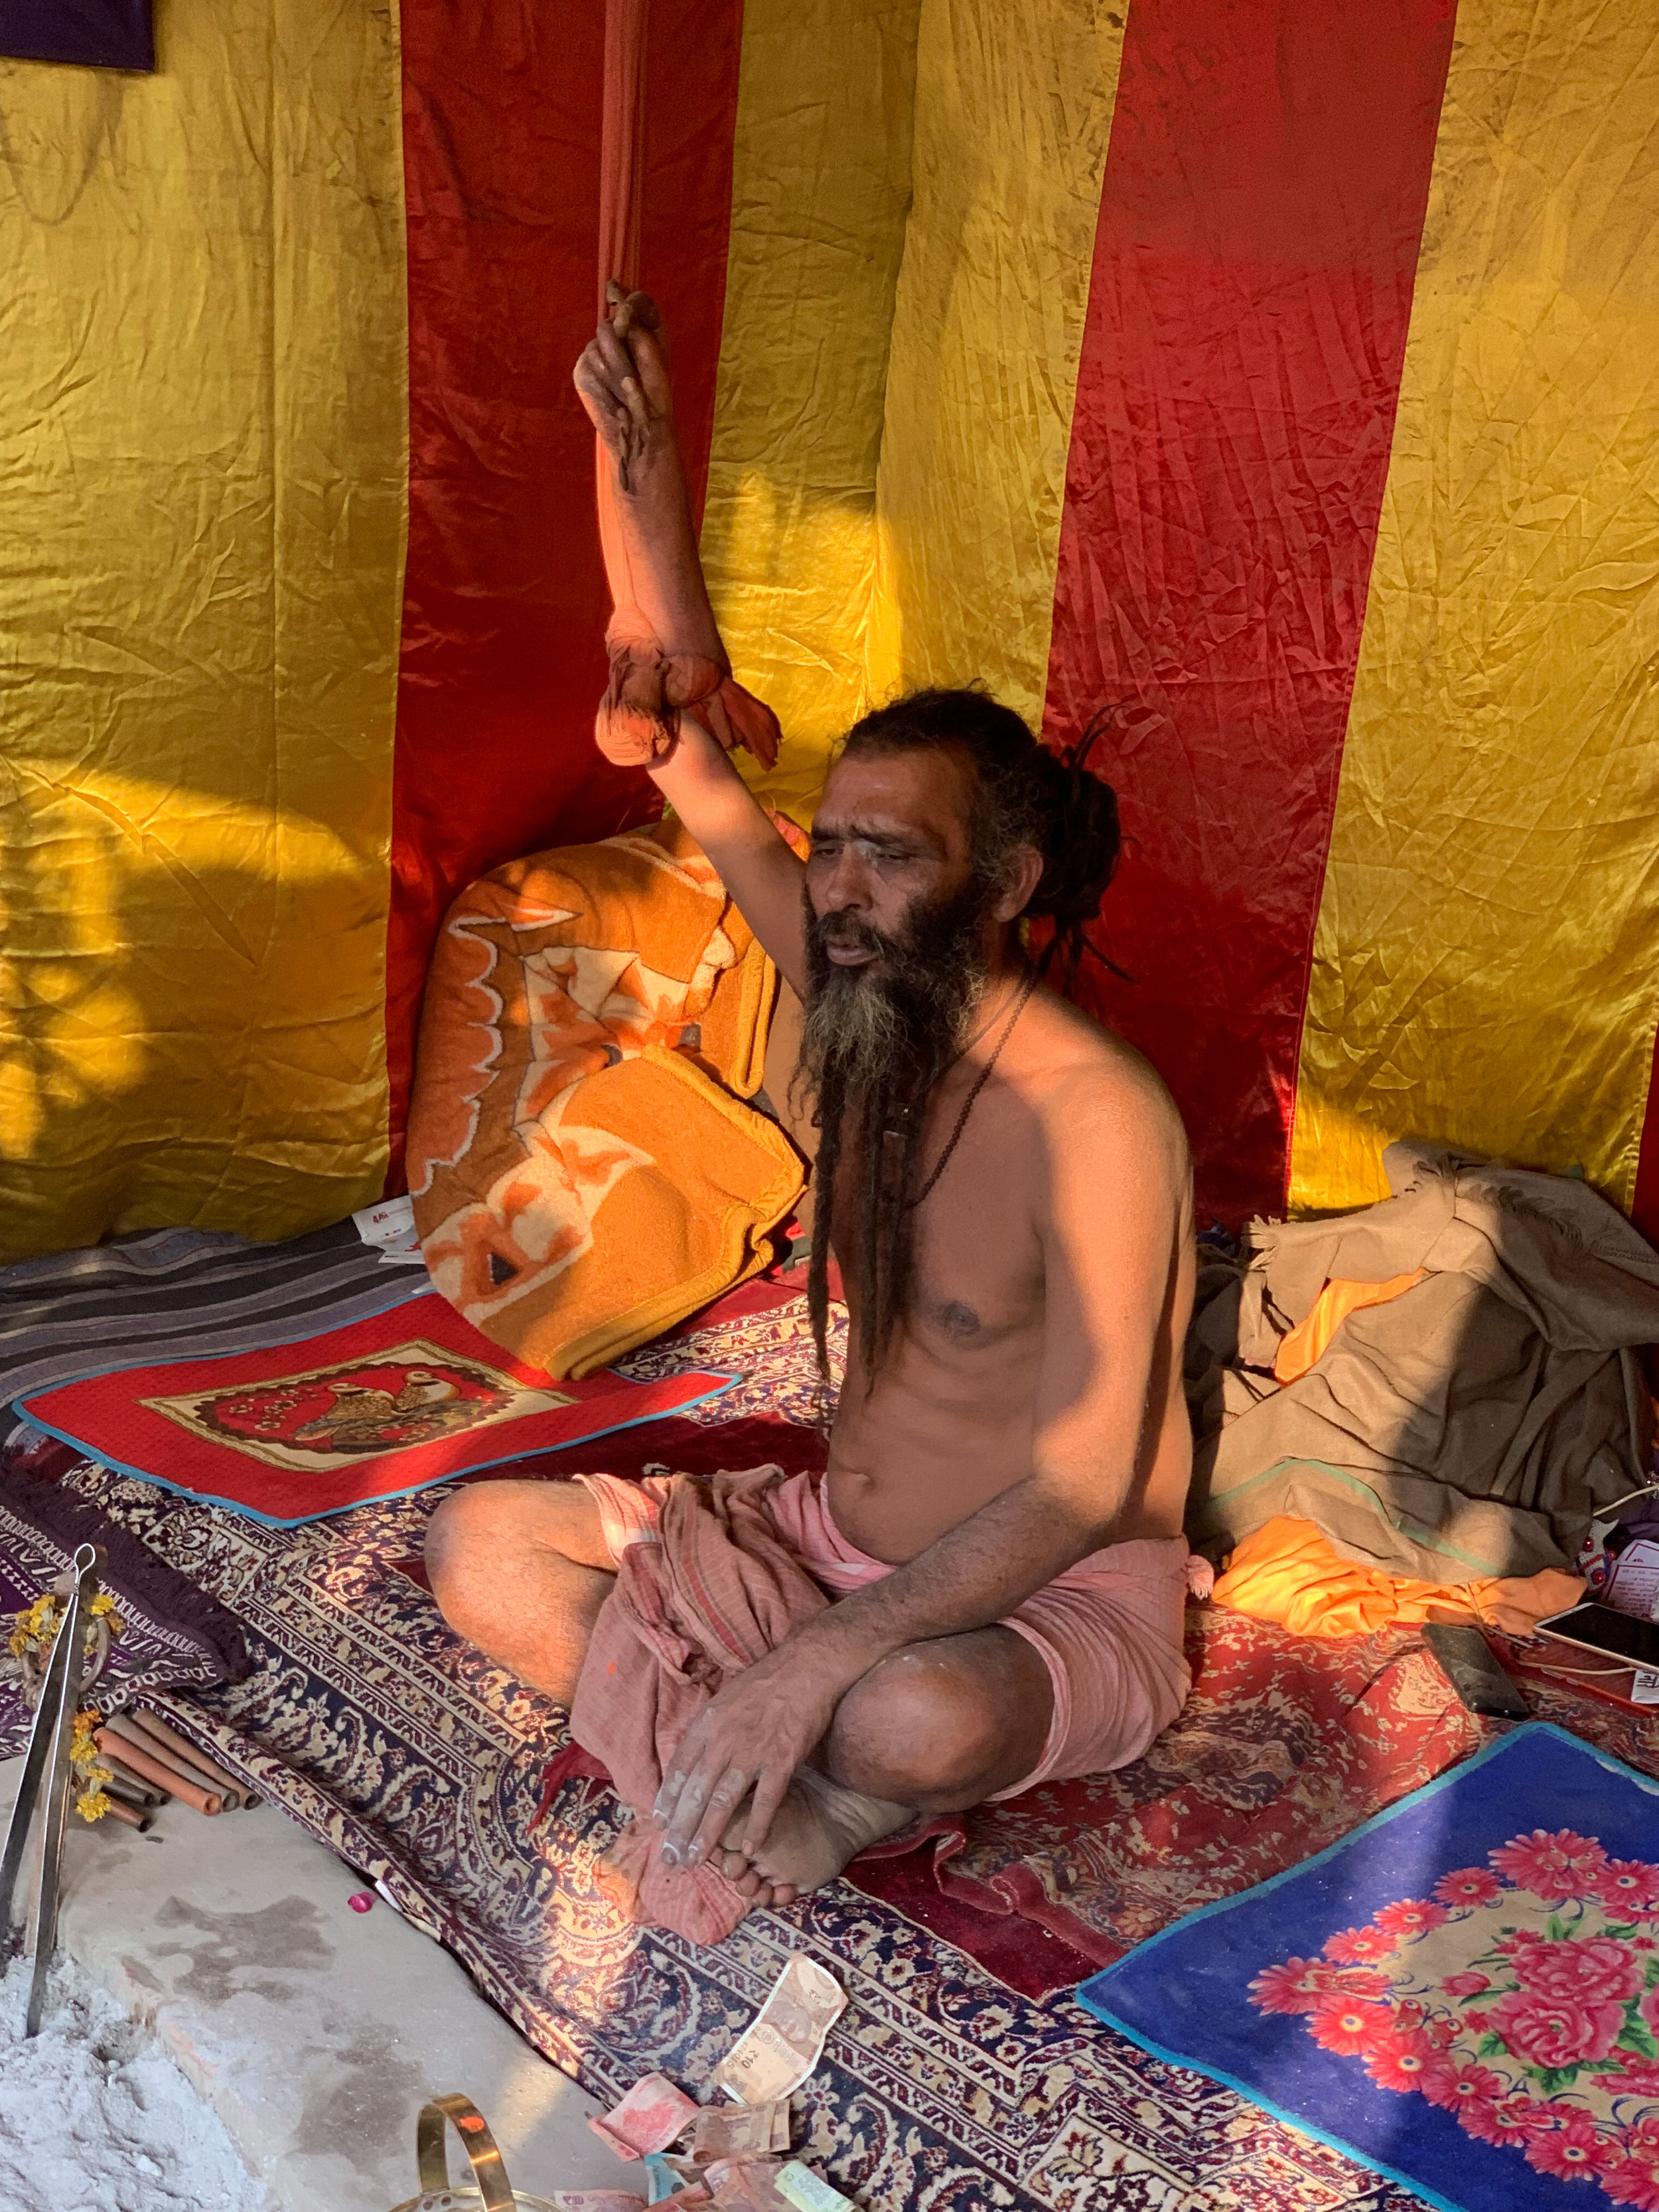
<point x="623" y="381"/>
<point x="754" y="1734"/>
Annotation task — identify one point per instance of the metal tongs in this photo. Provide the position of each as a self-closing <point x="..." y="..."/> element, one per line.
<point x="45" y="1784"/>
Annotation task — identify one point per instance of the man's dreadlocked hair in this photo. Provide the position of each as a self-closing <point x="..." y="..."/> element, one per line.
<point x="1022" y="794"/>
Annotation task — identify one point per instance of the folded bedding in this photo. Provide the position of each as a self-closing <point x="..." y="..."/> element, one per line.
<point x="1465" y="1421"/>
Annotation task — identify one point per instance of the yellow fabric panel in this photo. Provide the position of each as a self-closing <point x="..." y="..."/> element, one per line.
<point x="1014" y="102"/>
<point x="204" y="426"/>
<point x="1483" y="957"/>
<point x="821" y="180"/>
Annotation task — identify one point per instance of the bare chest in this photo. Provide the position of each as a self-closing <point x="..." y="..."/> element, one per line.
<point x="978" y="1234"/>
<point x="948" y="1420"/>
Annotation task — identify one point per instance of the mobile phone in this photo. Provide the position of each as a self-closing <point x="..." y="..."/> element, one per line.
<point x="1467" y="1661"/>
<point x="1600" y="1628"/>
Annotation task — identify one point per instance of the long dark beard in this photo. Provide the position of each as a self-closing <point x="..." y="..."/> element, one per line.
<point x="871" y="1050"/>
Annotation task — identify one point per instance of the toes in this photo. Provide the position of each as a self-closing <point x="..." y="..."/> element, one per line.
<point x="778" y="1892"/>
<point x="738" y="1872"/>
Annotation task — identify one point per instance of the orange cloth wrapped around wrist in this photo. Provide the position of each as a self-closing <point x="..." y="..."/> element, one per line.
<point x="639" y="717"/>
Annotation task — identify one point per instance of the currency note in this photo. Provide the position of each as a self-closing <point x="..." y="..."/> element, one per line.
<point x="808" y="2192"/>
<point x="741" y="2131"/>
<point x="596" y="2200"/>
<point x="647" y="2119"/>
<point x="781" y="2045"/>
<point x="747" y="2185"/>
<point x="768" y="2184"/>
<point x="674" y="2181"/>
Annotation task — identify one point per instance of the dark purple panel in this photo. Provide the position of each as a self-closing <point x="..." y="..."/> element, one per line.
<point x="101" y="34"/>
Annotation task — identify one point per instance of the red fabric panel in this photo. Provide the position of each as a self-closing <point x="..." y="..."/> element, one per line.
<point x="504" y="603"/>
<point x="1259" y="222"/>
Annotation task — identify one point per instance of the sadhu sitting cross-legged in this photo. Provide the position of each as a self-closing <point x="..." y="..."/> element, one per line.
<point x="1007" y="1189"/>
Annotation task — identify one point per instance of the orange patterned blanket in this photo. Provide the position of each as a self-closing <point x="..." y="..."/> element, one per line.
<point x="585" y="1167"/>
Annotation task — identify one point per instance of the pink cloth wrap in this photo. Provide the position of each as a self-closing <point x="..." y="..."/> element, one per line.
<point x="704" y="1588"/>
<point x="711" y="1575"/>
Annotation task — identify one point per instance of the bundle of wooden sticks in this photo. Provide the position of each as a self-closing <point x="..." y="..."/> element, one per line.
<point x="151" y="1762"/>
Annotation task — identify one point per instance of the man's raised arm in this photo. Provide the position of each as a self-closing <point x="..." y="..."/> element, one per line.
<point x="666" y="652"/>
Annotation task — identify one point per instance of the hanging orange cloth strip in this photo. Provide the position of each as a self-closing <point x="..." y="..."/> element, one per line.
<point x="656" y="673"/>
<point x="621" y="145"/>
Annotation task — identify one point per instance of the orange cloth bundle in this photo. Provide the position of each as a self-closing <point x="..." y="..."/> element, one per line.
<point x="1288" y="1571"/>
<point x="639" y="717"/>
<point x="584" y="1169"/>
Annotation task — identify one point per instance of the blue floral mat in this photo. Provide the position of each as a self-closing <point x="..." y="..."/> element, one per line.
<point x="1464" y="1993"/>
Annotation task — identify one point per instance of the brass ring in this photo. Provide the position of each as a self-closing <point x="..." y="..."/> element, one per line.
<point x="477" y="2141"/>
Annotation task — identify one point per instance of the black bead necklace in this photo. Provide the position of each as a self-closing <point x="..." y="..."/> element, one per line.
<point x="980" y="1082"/>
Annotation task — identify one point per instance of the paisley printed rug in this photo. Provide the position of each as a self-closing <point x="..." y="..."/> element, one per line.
<point x="1464" y="1992"/>
<point x="948" y="2083"/>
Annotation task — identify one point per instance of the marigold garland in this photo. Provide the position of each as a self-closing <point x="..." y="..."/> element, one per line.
<point x="34" y="1631"/>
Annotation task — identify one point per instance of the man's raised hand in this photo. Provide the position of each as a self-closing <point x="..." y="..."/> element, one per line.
<point x="622" y="379"/>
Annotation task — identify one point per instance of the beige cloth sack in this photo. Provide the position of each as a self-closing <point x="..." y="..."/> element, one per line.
<point x="1473" y="1425"/>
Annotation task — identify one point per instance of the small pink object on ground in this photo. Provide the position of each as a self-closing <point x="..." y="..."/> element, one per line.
<point x="362" y="1901"/>
<point x="647" y="2119"/>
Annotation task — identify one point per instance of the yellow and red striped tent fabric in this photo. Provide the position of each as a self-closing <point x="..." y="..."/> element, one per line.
<point x="1283" y="373"/>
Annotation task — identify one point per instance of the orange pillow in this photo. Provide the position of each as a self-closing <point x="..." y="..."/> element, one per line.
<point x="584" y="1171"/>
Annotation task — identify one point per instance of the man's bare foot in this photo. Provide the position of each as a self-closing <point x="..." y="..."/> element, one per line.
<point x="819" y="1828"/>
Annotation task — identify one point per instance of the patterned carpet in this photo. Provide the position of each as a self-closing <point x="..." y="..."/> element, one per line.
<point x="420" y="1762"/>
